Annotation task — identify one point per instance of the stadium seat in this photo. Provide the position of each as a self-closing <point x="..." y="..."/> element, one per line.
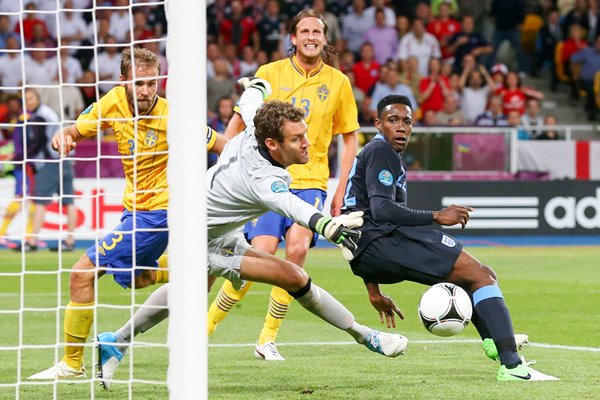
<point x="560" y="67"/>
<point x="529" y="30"/>
<point x="597" y="89"/>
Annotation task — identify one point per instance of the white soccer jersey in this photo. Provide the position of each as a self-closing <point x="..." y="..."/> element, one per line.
<point x="244" y="185"/>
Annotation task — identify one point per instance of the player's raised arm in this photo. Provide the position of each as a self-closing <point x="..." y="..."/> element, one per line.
<point x="66" y="140"/>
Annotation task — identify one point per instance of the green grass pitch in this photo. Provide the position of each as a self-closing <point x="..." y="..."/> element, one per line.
<point x="553" y="294"/>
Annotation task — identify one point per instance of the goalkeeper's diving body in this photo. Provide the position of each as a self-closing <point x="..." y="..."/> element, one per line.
<point x="138" y="117"/>
<point x="249" y="179"/>
<point x="325" y="95"/>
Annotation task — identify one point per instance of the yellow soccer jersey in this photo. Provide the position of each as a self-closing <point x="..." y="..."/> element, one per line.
<point x="150" y="171"/>
<point x="326" y="97"/>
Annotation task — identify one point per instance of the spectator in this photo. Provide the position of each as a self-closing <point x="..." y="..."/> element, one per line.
<point x="499" y="72"/>
<point x="66" y="101"/>
<point x="423" y="12"/>
<point x="71" y="63"/>
<point x="493" y="116"/>
<point x="548" y="37"/>
<point x="443" y="27"/>
<point x="476" y="85"/>
<point x="410" y="75"/>
<point x="366" y="71"/>
<point x="466" y="42"/>
<point x="450" y="114"/>
<point x="346" y="61"/>
<point x="383" y="38"/>
<point x="355" y="25"/>
<point x="420" y="44"/>
<point x="141" y="29"/>
<point x="436" y="6"/>
<point x="30" y="21"/>
<point x="572" y="45"/>
<point x="514" y="120"/>
<point x="392" y="85"/>
<point x="515" y="94"/>
<point x="508" y="16"/>
<point x="221" y="85"/>
<point x="5" y="30"/>
<point x="107" y="65"/>
<point x="219" y="123"/>
<point x="213" y="53"/>
<point x="334" y="32"/>
<point x="577" y="16"/>
<point x="248" y="64"/>
<point x="549" y="134"/>
<point x="589" y="60"/>
<point x="270" y="28"/>
<point x="233" y="62"/>
<point x="359" y="94"/>
<point x="532" y="120"/>
<point x="88" y="87"/>
<point x="72" y="27"/>
<point x="592" y="15"/>
<point x="119" y="21"/>
<point x="428" y="118"/>
<point x="389" y="14"/>
<point x="434" y="88"/>
<point x="51" y="177"/>
<point x="40" y="70"/>
<point x="402" y="26"/>
<point x="237" y="29"/>
<point x="11" y="66"/>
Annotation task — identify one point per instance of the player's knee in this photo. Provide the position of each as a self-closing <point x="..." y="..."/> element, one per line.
<point x="296" y="252"/>
<point x="296" y="278"/>
<point x="82" y="274"/>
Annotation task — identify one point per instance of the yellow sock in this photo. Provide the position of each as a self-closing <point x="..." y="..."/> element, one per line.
<point x="162" y="273"/>
<point x="12" y="209"/>
<point x="223" y="303"/>
<point x="278" y="308"/>
<point x="77" y="325"/>
<point x="29" y="228"/>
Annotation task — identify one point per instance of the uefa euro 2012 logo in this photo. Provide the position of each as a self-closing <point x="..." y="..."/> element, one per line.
<point x="386" y="177"/>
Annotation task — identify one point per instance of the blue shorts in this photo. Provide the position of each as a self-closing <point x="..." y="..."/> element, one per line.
<point x="18" y="174"/>
<point x="273" y="224"/>
<point x="115" y="250"/>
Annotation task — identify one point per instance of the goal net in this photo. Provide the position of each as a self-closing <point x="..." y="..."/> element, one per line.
<point x="58" y="58"/>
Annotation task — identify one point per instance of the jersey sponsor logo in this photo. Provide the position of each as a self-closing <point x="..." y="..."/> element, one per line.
<point x="279" y="187"/>
<point x="323" y="92"/>
<point x="448" y="241"/>
<point x="151" y="138"/>
<point x="386" y="177"/>
<point x="87" y="110"/>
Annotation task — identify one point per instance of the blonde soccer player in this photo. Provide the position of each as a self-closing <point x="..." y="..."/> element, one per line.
<point x="138" y="117"/>
<point x="325" y="95"/>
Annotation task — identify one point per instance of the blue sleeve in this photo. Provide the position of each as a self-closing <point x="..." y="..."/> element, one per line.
<point x="382" y="172"/>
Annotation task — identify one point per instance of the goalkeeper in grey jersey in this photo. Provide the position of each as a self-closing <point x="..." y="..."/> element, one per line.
<point x="249" y="179"/>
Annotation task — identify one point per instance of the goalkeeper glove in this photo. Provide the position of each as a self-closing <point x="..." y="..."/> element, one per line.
<point x="339" y="230"/>
<point x="257" y="83"/>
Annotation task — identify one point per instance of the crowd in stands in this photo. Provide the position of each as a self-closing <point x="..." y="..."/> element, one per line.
<point x="442" y="54"/>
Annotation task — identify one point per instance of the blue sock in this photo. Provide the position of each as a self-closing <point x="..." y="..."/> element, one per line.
<point x="491" y="309"/>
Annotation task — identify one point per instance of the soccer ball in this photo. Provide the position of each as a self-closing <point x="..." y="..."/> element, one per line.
<point x="445" y="309"/>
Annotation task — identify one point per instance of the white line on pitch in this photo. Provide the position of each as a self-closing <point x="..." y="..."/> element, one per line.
<point x="542" y="345"/>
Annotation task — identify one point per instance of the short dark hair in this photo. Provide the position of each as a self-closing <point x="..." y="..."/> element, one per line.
<point x="271" y="117"/>
<point x="392" y="99"/>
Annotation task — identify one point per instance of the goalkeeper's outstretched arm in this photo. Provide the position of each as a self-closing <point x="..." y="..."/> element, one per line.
<point x="256" y="91"/>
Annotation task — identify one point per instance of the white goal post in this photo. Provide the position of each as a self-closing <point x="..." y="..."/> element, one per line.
<point x="186" y="90"/>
